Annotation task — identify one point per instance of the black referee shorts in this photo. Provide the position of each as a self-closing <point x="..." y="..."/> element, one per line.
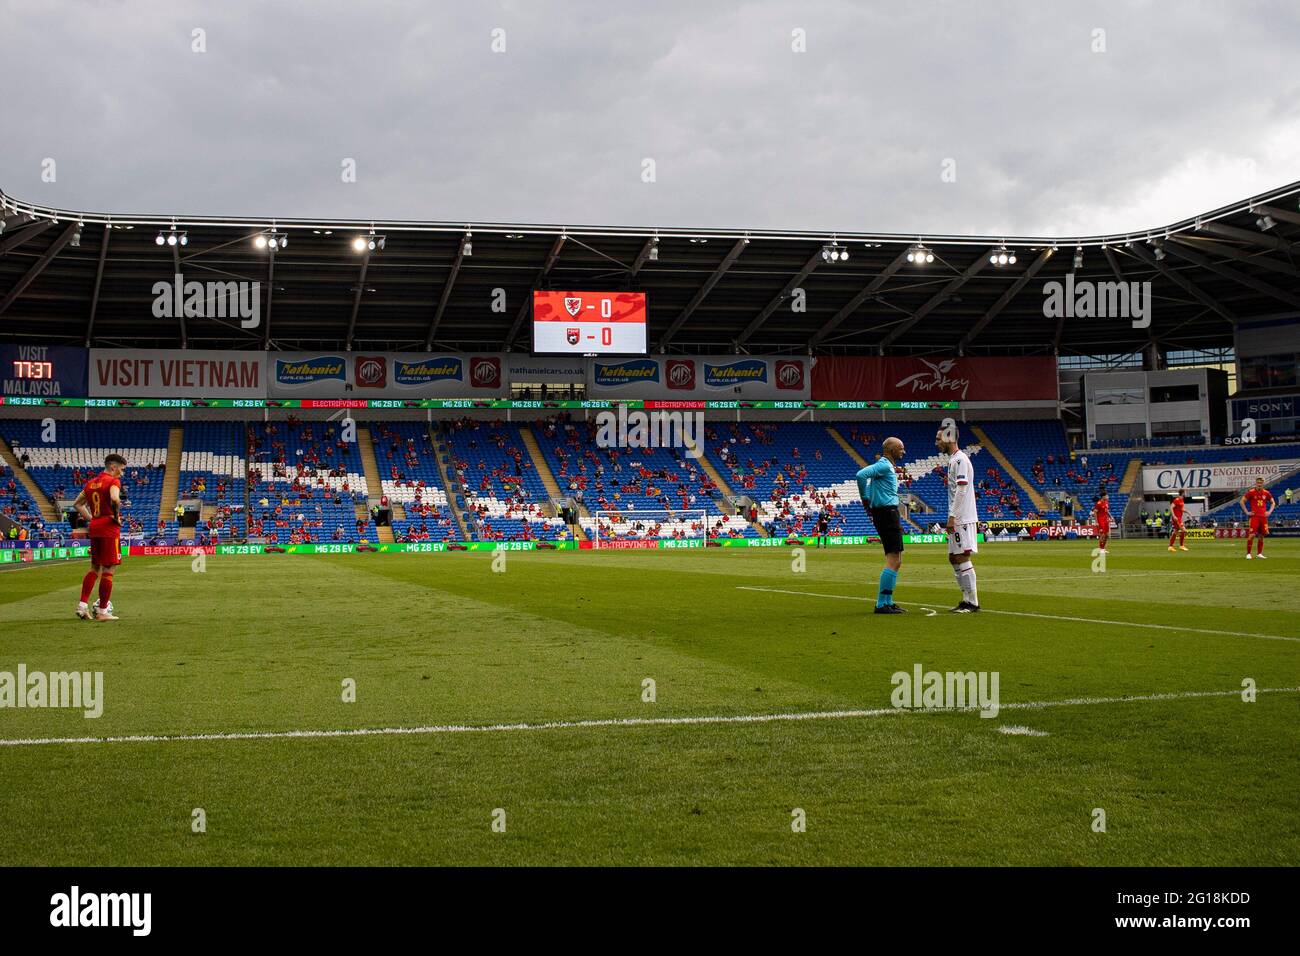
<point x="890" y="528"/>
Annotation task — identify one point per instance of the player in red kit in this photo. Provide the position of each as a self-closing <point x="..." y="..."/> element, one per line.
<point x="1101" y="518"/>
<point x="100" y="503"/>
<point x="1259" y="503"/>
<point x="1177" y="530"/>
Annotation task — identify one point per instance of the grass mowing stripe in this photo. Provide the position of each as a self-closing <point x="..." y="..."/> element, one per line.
<point x="260" y="645"/>
<point x="1049" y="617"/>
<point x="628" y="721"/>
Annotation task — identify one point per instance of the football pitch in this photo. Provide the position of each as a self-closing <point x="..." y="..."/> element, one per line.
<point x="592" y="708"/>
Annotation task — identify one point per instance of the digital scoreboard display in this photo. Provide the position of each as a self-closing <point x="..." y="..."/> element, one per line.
<point x="33" y="370"/>
<point x="589" y="323"/>
<point x="42" y="371"/>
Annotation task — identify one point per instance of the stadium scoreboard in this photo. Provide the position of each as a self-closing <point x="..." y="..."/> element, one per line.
<point x="589" y="323"/>
<point x="33" y="370"/>
<point x="42" y="371"/>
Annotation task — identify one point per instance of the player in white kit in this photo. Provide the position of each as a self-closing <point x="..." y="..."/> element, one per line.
<point x="963" y="537"/>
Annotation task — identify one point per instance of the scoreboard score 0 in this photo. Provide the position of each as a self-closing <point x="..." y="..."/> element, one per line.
<point x="589" y="323"/>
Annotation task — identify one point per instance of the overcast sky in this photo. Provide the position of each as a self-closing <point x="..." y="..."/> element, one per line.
<point x="1191" y="105"/>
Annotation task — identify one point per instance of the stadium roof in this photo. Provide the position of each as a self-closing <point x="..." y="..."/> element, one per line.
<point x="69" y="277"/>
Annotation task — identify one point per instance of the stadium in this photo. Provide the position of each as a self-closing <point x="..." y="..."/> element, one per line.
<point x="384" y="570"/>
<point x="772" y="465"/>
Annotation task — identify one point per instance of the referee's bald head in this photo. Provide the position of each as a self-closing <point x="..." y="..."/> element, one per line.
<point x="893" y="448"/>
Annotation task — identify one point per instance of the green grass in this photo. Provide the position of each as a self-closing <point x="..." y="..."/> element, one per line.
<point x="263" y="644"/>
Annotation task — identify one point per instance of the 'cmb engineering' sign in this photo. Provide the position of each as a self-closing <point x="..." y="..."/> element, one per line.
<point x="1222" y="477"/>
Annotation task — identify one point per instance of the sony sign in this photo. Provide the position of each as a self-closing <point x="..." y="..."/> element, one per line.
<point x="1271" y="406"/>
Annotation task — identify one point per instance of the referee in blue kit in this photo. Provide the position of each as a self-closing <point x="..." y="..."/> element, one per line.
<point x="878" y="488"/>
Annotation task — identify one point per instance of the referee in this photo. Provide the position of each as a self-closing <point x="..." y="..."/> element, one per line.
<point x="878" y="488"/>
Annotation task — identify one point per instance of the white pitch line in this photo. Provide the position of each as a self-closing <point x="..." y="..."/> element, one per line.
<point x="1089" y="576"/>
<point x="1049" y="617"/>
<point x="626" y="721"/>
<point x="33" y="565"/>
<point x="1016" y="730"/>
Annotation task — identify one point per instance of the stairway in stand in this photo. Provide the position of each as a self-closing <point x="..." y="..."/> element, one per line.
<point x="440" y="452"/>
<point x="374" y="486"/>
<point x="544" y="472"/>
<point x="172" y="480"/>
<point x="1131" y="475"/>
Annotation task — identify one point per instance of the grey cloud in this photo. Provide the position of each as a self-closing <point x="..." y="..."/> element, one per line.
<point x="1193" y="105"/>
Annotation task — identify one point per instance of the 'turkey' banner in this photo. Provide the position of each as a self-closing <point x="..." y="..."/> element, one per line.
<point x="907" y="378"/>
